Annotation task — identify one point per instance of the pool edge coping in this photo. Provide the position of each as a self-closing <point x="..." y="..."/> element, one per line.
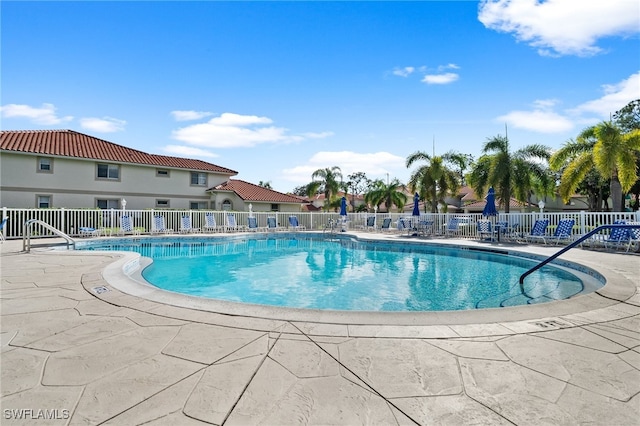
<point x="125" y="291"/>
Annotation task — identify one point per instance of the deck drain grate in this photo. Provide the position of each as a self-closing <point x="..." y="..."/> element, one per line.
<point x="100" y="289"/>
<point x="551" y="324"/>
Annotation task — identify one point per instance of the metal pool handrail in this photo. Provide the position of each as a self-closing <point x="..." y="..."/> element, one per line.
<point x="26" y="238"/>
<point x="573" y="244"/>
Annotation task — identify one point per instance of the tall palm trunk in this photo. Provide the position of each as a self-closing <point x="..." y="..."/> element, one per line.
<point x="617" y="200"/>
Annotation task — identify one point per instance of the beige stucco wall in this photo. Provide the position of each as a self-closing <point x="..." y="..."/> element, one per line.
<point x="73" y="184"/>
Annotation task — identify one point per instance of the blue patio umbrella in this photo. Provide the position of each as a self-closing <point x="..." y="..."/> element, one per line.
<point x="416" y="208"/>
<point x="343" y="212"/>
<point x="343" y="206"/>
<point x="490" y="207"/>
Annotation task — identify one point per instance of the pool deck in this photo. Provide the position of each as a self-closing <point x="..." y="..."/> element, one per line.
<point x="77" y="346"/>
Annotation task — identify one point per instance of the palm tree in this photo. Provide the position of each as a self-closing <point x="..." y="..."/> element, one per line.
<point x="433" y="181"/>
<point x="607" y="149"/>
<point x="329" y="180"/>
<point x="392" y="194"/>
<point x="461" y="162"/>
<point x="511" y="174"/>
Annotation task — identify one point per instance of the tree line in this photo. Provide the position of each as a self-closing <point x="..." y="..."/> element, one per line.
<point x="602" y="162"/>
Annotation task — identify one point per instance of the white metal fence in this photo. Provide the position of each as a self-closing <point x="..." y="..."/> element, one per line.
<point x="70" y="221"/>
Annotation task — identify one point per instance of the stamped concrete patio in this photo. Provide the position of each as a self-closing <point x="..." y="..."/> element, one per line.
<point x="77" y="348"/>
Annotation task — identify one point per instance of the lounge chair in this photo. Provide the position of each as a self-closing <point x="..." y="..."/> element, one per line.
<point x="425" y="227"/>
<point x="634" y="237"/>
<point x="86" y="231"/>
<point x="370" y="224"/>
<point x="252" y="224"/>
<point x="185" y="225"/>
<point x="563" y="231"/>
<point x="2" y="225"/>
<point x="386" y="224"/>
<point x="159" y="227"/>
<point x="452" y="227"/>
<point x="210" y="223"/>
<point x="232" y="224"/>
<point x="272" y="225"/>
<point x="406" y="224"/>
<point x="617" y="238"/>
<point x="293" y="223"/>
<point x="126" y="226"/>
<point x="538" y="231"/>
<point x="485" y="229"/>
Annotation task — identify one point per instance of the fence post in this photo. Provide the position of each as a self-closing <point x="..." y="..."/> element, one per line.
<point x="583" y="218"/>
<point x="62" y="221"/>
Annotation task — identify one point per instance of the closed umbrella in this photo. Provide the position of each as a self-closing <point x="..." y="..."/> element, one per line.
<point x="343" y="212"/>
<point x="415" y="213"/>
<point x="490" y="207"/>
<point x="416" y="208"/>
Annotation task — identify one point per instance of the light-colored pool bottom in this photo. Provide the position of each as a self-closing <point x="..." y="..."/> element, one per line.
<point x="118" y="276"/>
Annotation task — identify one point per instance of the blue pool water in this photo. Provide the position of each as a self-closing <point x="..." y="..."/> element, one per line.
<point x="307" y="271"/>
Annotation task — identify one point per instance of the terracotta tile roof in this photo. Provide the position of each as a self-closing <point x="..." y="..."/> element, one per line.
<point x="311" y="208"/>
<point x="68" y="143"/>
<point x="301" y="198"/>
<point x="250" y="192"/>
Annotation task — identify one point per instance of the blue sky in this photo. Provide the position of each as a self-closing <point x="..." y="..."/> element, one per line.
<point x="276" y="90"/>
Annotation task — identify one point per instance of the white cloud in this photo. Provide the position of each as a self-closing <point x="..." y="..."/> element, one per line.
<point x="437" y="75"/>
<point x="562" y="27"/>
<point x="616" y="96"/>
<point x="231" y="130"/>
<point x="445" y="78"/>
<point x="189" y="115"/>
<point x="375" y="165"/>
<point x="403" y="72"/>
<point x="187" y="151"/>
<point x="45" y="115"/>
<point x="103" y="125"/>
<point x="543" y="119"/>
<point x="540" y="121"/>
<point x="448" y="67"/>
<point x="231" y="119"/>
<point x="320" y="135"/>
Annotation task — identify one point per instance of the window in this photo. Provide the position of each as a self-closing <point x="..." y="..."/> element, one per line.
<point x="275" y="207"/>
<point x="162" y="204"/>
<point x="43" y="201"/>
<point x="162" y="173"/>
<point x="227" y="205"/>
<point x="45" y="165"/>
<point x="198" y="178"/>
<point x="106" y="204"/>
<point x="198" y="205"/>
<point x="109" y="171"/>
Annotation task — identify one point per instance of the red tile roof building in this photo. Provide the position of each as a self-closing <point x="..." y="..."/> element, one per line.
<point x="251" y="192"/>
<point x="68" y="143"/>
<point x="65" y="168"/>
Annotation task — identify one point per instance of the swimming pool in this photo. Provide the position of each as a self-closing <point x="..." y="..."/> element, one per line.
<point x="344" y="273"/>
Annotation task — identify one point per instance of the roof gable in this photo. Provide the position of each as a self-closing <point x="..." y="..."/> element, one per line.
<point x="68" y="143"/>
<point x="251" y="192"/>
